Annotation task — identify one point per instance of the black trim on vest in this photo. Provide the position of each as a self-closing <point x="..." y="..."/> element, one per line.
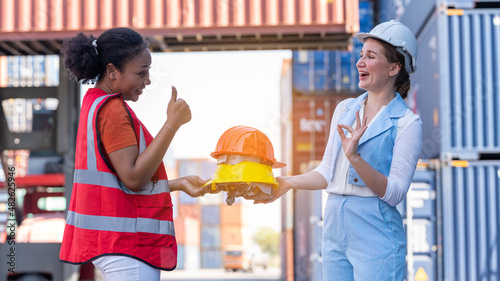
<point x="124" y="255"/>
<point x="132" y="120"/>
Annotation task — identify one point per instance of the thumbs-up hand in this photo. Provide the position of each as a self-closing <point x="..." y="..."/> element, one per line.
<point x="178" y="112"/>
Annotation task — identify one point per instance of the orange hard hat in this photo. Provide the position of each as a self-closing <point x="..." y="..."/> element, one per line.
<point x="247" y="141"/>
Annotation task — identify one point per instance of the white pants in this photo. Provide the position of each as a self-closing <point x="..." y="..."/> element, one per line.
<point x="121" y="268"/>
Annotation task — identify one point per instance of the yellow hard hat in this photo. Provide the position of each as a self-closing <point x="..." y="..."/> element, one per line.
<point x="246" y="179"/>
<point x="245" y="172"/>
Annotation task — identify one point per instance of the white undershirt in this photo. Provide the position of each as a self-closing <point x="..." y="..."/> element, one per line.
<point x="406" y="152"/>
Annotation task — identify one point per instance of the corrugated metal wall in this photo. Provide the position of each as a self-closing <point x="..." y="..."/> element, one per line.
<point x="455" y="91"/>
<point x="56" y="15"/>
<point x="470" y="119"/>
<point x="419" y="212"/>
<point x="31" y="27"/>
<point x="471" y="221"/>
<point x="312" y="116"/>
<point x="457" y="84"/>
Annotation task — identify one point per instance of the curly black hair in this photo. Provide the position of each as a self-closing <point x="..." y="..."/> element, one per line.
<point x="86" y="62"/>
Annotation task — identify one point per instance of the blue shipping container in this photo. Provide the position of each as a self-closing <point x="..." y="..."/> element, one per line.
<point x="211" y="258"/>
<point x="331" y="72"/>
<point x="210" y="214"/>
<point x="457" y="83"/>
<point x="210" y="236"/>
<point x="180" y="256"/>
<point x="412" y="13"/>
<point x="419" y="211"/>
<point x="32" y="71"/>
<point x="203" y="168"/>
<point x="471" y="221"/>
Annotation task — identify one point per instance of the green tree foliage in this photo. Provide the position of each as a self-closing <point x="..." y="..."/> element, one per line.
<point x="268" y="240"/>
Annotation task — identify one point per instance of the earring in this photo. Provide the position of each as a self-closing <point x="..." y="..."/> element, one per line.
<point x="113" y="78"/>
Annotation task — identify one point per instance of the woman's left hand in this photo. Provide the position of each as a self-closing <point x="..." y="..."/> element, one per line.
<point x="350" y="145"/>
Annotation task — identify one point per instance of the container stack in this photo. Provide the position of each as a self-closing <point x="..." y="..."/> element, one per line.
<point x="319" y="80"/>
<point x="188" y="233"/>
<point x="196" y="235"/>
<point x="455" y="91"/>
<point x="235" y="232"/>
<point x="231" y="225"/>
<point x="419" y="214"/>
<point x="29" y="71"/>
<point x="211" y="252"/>
<point x="331" y="71"/>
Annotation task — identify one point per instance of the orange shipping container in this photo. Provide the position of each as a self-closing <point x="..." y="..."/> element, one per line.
<point x="231" y="215"/>
<point x="311" y="121"/>
<point x="187" y="224"/>
<point x="30" y="27"/>
<point x="231" y="235"/>
<point x="192" y="232"/>
<point x="190" y="210"/>
<point x="187" y="231"/>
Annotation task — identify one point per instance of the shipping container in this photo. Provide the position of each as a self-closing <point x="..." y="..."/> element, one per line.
<point x="204" y="168"/>
<point x="175" y="202"/>
<point x="38" y="27"/>
<point x="216" y="199"/>
<point x="468" y="4"/>
<point x="180" y="255"/>
<point x="305" y="129"/>
<point x="211" y="258"/>
<point x="188" y="257"/>
<point x="187" y="231"/>
<point x="471" y="220"/>
<point x="190" y="210"/>
<point x="29" y="71"/>
<point x="231" y="235"/>
<point x="311" y="119"/>
<point x="187" y="224"/>
<point x="331" y="71"/>
<point x="231" y="215"/>
<point x="419" y="212"/>
<point x="210" y="215"/>
<point x="413" y="14"/>
<point x="210" y="236"/>
<point x="455" y="87"/>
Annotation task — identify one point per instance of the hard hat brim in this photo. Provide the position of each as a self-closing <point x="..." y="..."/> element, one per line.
<point x="243" y="172"/>
<point x="362" y="37"/>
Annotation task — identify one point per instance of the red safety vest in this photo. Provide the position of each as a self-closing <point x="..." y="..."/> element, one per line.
<point x="104" y="216"/>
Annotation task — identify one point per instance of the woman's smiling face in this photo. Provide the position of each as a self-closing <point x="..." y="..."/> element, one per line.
<point x="375" y="70"/>
<point x="135" y="77"/>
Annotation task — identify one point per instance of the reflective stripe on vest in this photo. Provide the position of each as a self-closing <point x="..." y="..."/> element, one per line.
<point x="118" y="224"/>
<point x="109" y="180"/>
<point x="91" y="157"/>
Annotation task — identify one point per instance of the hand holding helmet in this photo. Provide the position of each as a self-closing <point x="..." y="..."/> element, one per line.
<point x="245" y="158"/>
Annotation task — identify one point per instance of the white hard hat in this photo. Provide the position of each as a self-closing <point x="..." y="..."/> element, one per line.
<point x="399" y="36"/>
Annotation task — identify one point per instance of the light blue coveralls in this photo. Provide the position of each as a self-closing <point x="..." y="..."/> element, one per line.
<point x="363" y="237"/>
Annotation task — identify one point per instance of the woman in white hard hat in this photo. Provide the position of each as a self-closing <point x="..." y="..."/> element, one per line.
<point x="381" y="140"/>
